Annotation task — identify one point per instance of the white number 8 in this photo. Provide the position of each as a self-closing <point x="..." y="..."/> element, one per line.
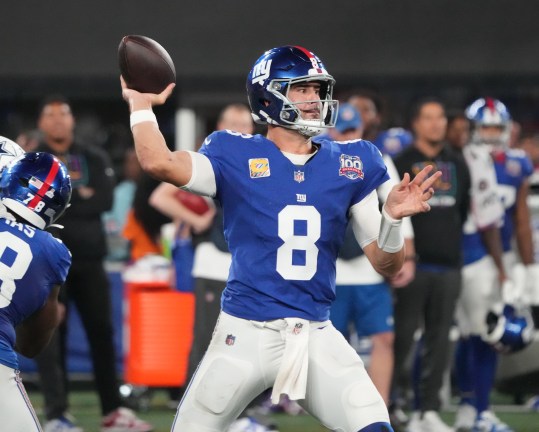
<point x="286" y="219"/>
<point x="17" y="270"/>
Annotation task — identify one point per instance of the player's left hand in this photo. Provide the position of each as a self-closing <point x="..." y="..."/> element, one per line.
<point x="410" y="197"/>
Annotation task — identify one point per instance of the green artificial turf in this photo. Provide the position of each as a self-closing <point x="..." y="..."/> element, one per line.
<point x="84" y="406"/>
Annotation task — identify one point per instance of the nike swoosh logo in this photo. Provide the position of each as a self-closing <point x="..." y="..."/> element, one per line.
<point x="207" y="141"/>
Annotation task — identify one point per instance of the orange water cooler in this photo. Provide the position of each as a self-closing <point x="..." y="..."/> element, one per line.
<point x="158" y="334"/>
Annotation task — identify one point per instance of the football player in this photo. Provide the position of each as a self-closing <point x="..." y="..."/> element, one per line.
<point x="35" y="189"/>
<point x="286" y="198"/>
<point x="484" y="280"/>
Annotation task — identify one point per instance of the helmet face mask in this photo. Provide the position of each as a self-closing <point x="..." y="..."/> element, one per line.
<point x="269" y="84"/>
<point x="491" y="122"/>
<point x="36" y="187"/>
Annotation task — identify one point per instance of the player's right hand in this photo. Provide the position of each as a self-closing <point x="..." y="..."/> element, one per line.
<point x="139" y="101"/>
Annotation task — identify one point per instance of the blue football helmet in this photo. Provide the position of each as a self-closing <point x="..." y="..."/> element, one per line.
<point x="393" y="141"/>
<point x="270" y="80"/>
<point x="36" y="187"/>
<point x="510" y="330"/>
<point x="487" y="112"/>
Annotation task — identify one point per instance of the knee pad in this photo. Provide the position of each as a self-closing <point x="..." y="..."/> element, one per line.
<point x="219" y="384"/>
<point x="377" y="427"/>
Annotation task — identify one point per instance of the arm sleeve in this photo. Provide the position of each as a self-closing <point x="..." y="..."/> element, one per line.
<point x="202" y="180"/>
<point x="365" y="218"/>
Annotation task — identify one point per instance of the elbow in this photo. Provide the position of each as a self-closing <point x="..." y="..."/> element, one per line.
<point x="155" y="168"/>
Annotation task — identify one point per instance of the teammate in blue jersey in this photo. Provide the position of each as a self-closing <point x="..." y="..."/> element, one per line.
<point x="485" y="286"/>
<point x="35" y="189"/>
<point x="286" y="199"/>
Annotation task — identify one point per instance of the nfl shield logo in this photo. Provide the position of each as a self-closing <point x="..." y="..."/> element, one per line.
<point x="297" y="328"/>
<point x="299" y="176"/>
<point x="230" y="339"/>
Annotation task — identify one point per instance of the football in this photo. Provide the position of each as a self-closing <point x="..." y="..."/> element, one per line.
<point x="145" y="65"/>
<point x="193" y="202"/>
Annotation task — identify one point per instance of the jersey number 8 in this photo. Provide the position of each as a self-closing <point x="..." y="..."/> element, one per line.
<point x="16" y="270"/>
<point x="293" y="242"/>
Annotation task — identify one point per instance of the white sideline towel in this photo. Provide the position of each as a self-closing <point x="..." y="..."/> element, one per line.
<point x="292" y="375"/>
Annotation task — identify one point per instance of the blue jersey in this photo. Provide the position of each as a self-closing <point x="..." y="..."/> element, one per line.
<point x="284" y="224"/>
<point x="512" y="168"/>
<point x="32" y="262"/>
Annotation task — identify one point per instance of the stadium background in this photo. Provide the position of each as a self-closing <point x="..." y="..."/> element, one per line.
<point x="402" y="49"/>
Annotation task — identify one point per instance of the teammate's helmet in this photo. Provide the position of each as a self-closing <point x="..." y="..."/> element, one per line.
<point x="36" y="187"/>
<point x="9" y="150"/>
<point x="486" y="112"/>
<point x="270" y="80"/>
<point x="509" y="331"/>
<point x="393" y="141"/>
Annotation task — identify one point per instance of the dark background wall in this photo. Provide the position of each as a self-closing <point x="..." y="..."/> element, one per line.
<point x="457" y="49"/>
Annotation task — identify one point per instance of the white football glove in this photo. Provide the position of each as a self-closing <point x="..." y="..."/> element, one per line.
<point x="512" y="290"/>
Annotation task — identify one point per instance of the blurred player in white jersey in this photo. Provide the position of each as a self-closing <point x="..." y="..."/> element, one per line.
<point x="35" y="189"/>
<point x="286" y="199"/>
<point x="485" y="284"/>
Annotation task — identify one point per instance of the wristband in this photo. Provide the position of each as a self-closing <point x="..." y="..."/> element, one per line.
<point x="390" y="238"/>
<point x="141" y="116"/>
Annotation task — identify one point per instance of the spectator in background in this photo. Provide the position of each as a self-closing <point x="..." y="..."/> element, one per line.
<point x="363" y="297"/>
<point x="142" y="229"/>
<point x="368" y="106"/>
<point x="515" y="133"/>
<point x="458" y="131"/>
<point x="430" y="299"/>
<point x="87" y="283"/>
<point x="115" y="219"/>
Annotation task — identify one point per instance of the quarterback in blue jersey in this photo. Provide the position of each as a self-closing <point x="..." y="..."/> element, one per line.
<point x="35" y="189"/>
<point x="286" y="200"/>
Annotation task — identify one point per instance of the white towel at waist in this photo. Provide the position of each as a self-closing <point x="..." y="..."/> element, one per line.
<point x="292" y="375"/>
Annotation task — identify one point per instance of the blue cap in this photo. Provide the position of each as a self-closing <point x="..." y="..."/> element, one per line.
<point x="347" y="118"/>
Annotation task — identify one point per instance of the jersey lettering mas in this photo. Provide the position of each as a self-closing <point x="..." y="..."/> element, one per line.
<point x="284" y="223"/>
<point x="32" y="262"/>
